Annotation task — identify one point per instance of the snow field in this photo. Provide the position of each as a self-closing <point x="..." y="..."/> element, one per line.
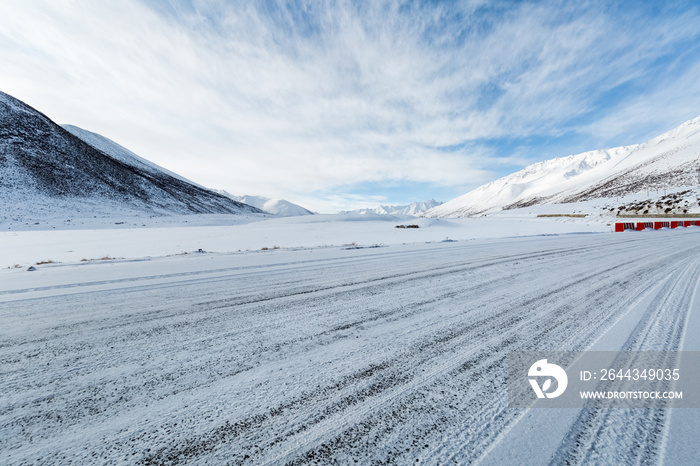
<point x="391" y="354"/>
<point x="163" y="236"/>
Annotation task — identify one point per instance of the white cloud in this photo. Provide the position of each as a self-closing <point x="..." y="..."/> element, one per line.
<point x="283" y="102"/>
<point x="671" y="102"/>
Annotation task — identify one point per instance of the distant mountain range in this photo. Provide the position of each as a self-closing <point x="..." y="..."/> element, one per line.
<point x="668" y="162"/>
<point x="47" y="170"/>
<point x="278" y="207"/>
<point x="415" y="209"/>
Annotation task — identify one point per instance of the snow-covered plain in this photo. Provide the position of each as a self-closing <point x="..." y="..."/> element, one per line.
<point x="126" y="237"/>
<point x="321" y="352"/>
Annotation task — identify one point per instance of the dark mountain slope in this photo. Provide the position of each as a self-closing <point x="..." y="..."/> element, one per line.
<point x="41" y="162"/>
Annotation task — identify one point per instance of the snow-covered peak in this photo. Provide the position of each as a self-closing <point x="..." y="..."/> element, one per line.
<point x="687" y="129"/>
<point x="534" y="181"/>
<point x="274" y="206"/>
<point x="663" y="162"/>
<point x="414" y="209"/>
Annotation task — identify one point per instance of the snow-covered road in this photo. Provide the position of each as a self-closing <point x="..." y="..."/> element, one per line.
<point x="384" y="355"/>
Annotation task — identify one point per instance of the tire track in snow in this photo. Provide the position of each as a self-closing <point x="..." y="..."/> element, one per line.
<point x="404" y="326"/>
<point x="422" y="380"/>
<point x="600" y="435"/>
<point x="501" y="348"/>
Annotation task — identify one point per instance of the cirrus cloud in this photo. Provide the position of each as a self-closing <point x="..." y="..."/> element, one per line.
<point x="304" y="100"/>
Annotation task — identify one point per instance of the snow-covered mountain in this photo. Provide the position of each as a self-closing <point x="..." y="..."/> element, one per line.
<point x="273" y="206"/>
<point x="415" y="209"/>
<point x="670" y="161"/>
<point x="121" y="153"/>
<point x="45" y="170"/>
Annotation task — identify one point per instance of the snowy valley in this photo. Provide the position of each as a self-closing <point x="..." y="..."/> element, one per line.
<point x="149" y="320"/>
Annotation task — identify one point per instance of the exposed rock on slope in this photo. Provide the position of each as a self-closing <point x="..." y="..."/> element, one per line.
<point x="45" y="169"/>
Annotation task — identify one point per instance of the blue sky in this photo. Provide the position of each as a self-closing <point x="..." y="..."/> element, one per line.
<point x="338" y="105"/>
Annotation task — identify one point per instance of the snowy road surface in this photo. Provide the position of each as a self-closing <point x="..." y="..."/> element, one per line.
<point x="387" y="355"/>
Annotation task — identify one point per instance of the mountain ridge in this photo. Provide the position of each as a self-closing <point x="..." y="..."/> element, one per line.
<point x="45" y="169"/>
<point x="413" y="209"/>
<point x="121" y="153"/>
<point x="664" y="162"/>
<point x="280" y="207"/>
